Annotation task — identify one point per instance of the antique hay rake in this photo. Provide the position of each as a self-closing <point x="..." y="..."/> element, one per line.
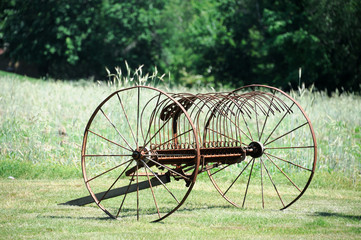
<point x="143" y="149"/>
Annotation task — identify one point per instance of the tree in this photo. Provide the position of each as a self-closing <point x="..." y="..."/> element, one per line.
<point x="218" y="42"/>
<point x="70" y="39"/>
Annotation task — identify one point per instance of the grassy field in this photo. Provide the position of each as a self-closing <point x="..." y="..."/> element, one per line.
<point x="41" y="129"/>
<point x="30" y="210"/>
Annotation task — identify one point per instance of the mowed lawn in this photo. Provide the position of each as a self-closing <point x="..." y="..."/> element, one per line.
<point x="30" y="210"/>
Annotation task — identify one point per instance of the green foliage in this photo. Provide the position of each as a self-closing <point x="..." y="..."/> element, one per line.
<point x="78" y="39"/>
<point x="270" y="41"/>
<point x="227" y="42"/>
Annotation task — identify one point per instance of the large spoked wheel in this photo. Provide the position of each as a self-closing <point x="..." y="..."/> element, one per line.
<point x="122" y="169"/>
<point x="281" y="149"/>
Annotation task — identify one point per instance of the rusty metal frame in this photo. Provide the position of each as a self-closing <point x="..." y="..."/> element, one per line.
<point x="187" y="134"/>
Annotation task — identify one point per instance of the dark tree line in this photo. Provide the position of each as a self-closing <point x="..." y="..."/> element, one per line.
<point x="214" y="42"/>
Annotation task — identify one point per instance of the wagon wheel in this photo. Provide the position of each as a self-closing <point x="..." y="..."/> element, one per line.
<point x="272" y="125"/>
<point x="120" y="157"/>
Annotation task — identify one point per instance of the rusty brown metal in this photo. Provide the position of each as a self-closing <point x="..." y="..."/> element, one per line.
<point x="256" y="137"/>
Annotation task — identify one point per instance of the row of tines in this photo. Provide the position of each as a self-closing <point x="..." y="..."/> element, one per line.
<point x="210" y="119"/>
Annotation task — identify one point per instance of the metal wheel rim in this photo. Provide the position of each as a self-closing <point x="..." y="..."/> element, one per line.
<point x="313" y="140"/>
<point x="84" y="146"/>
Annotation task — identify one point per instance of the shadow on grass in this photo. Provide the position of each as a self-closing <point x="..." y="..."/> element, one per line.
<point x="130" y="213"/>
<point x="339" y="215"/>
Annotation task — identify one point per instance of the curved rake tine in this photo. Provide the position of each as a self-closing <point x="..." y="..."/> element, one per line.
<point x="279" y="122"/>
<point x="265" y="122"/>
<point x="151" y="116"/>
<point x="256" y="113"/>
<point x="174" y="137"/>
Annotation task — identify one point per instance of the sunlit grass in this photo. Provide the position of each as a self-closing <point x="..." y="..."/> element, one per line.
<point x="41" y="130"/>
<point x="30" y="210"/>
<point x="42" y="124"/>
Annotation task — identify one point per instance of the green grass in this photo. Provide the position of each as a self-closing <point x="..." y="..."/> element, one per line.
<point x="30" y="210"/>
<point x="42" y="123"/>
<point x="41" y="130"/>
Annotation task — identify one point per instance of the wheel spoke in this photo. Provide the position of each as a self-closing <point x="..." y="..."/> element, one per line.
<point x="107" y="155"/>
<point x="279" y="196"/>
<point x="285" y="134"/>
<point x="125" y="195"/>
<point x="116" y="129"/>
<point x="287" y="111"/>
<point x="160" y="181"/>
<point x="137" y="194"/>
<point x="236" y="178"/>
<point x="151" y="188"/>
<point x="220" y="169"/>
<point x="110" y="140"/>
<point x="289" y="147"/>
<point x="138" y="115"/>
<point x="284" y="174"/>
<point x="114" y="182"/>
<point x="126" y="116"/>
<point x="260" y="162"/>
<point x="111" y="169"/>
<point x="249" y="179"/>
<point x="288" y="162"/>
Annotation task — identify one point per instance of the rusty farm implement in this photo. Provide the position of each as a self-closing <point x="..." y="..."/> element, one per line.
<point x="143" y="149"/>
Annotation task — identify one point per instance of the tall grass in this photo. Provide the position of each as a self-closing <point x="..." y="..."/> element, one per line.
<point x="337" y="123"/>
<point x="42" y="124"/>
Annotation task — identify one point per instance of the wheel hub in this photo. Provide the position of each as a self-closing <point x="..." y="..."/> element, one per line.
<point x="136" y="155"/>
<point x="255" y="149"/>
<point x="140" y="155"/>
